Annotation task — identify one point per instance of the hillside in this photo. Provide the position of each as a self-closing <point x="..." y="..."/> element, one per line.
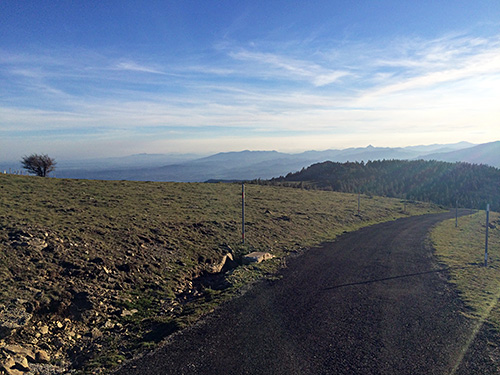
<point x="94" y="272"/>
<point x="242" y="165"/>
<point x="488" y="153"/>
<point x="439" y="182"/>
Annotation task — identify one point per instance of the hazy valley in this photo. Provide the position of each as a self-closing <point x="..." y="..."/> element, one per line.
<point x="248" y="165"/>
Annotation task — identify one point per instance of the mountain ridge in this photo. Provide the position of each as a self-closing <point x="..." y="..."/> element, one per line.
<point x="486" y="153"/>
<point x="248" y="165"/>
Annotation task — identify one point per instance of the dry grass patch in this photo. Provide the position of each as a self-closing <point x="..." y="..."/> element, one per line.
<point x="462" y="249"/>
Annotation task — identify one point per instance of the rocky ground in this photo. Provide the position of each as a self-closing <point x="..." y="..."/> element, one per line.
<point x="69" y="308"/>
<point x="93" y="273"/>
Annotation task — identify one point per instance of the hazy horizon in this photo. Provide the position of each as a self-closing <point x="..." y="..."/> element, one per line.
<point x="195" y="155"/>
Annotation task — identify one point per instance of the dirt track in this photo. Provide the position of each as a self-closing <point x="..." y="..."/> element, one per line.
<point x="372" y="302"/>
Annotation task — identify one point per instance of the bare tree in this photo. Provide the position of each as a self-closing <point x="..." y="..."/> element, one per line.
<point x="41" y="165"/>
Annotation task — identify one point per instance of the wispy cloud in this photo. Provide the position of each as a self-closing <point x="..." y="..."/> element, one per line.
<point x="431" y="63"/>
<point x="135" y="67"/>
<point x="403" y="88"/>
<point x="290" y="68"/>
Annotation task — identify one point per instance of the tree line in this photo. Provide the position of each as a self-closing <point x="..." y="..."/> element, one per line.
<point x="433" y="181"/>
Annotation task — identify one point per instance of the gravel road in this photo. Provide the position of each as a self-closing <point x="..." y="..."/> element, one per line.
<point x="373" y="302"/>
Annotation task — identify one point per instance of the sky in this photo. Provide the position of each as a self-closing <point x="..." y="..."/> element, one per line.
<point x="86" y="79"/>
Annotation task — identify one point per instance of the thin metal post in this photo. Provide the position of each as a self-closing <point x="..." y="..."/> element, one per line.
<point x="243" y="213"/>
<point x="486" y="242"/>
<point x="456" y="213"/>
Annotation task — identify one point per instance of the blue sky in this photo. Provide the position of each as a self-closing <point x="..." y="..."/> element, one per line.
<point x="108" y="78"/>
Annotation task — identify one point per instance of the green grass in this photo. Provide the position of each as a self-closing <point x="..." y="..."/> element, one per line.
<point x="462" y="249"/>
<point x="137" y="245"/>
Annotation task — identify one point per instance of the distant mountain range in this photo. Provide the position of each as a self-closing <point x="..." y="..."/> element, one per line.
<point x="487" y="153"/>
<point x="248" y="165"/>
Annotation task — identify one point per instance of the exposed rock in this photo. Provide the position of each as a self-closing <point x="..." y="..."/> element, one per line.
<point x="17" y="359"/>
<point x="13" y="317"/>
<point x="227" y="262"/>
<point x="21" y="363"/>
<point x="126" y="312"/>
<point x="13" y="371"/>
<point x="8" y="363"/>
<point x="20" y="235"/>
<point x="13" y="349"/>
<point x="42" y="356"/>
<point x="18" y="350"/>
<point x="95" y="333"/>
<point x="37" y="244"/>
<point x="72" y="302"/>
<point x="256" y="257"/>
<point x="227" y="248"/>
<point x="30" y="356"/>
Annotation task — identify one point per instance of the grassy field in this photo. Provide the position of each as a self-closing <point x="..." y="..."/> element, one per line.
<point x="112" y="267"/>
<point x="462" y="249"/>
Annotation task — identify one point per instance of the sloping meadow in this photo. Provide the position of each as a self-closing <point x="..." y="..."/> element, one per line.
<point x="462" y="249"/>
<point x="93" y="272"/>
